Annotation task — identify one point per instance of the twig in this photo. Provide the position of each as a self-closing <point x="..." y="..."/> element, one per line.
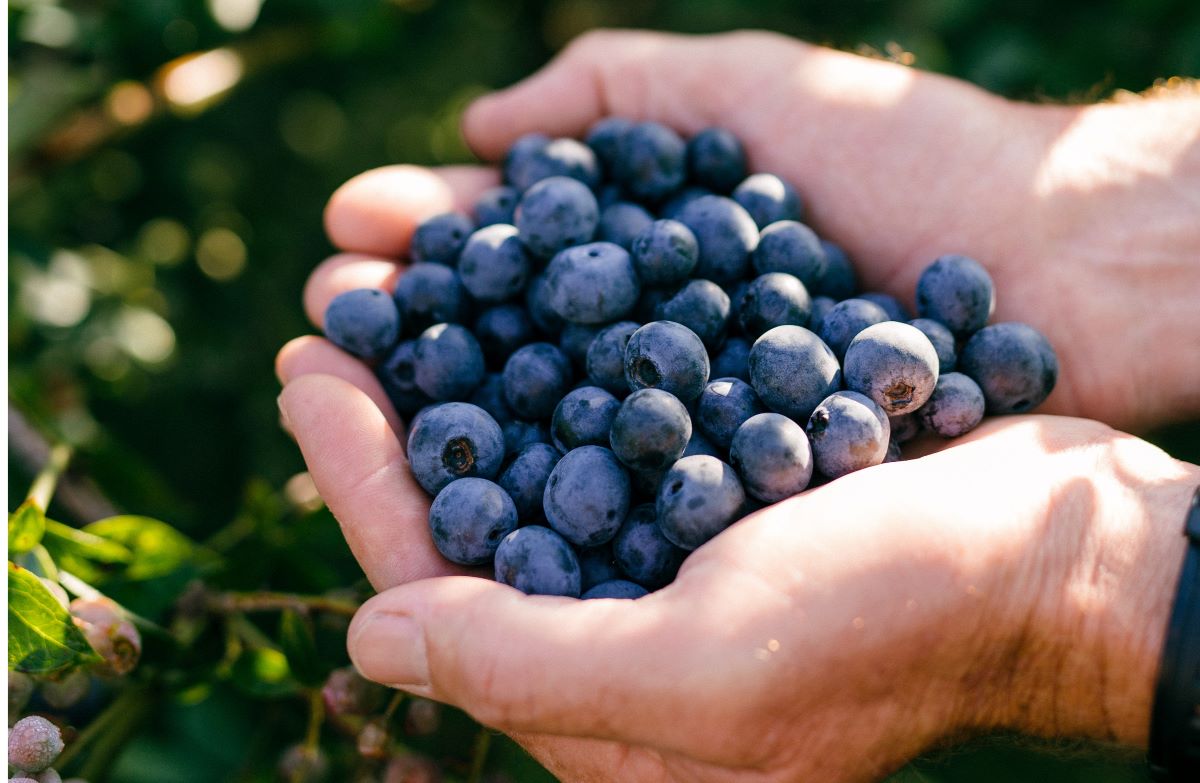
<point x="76" y="494"/>
<point x="227" y="603"/>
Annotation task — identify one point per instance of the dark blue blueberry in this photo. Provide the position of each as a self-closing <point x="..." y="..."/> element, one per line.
<point x="489" y="395"/>
<point x="536" y="377"/>
<point x="555" y="213"/>
<point x="837" y="280"/>
<point x="820" y="306"/>
<point x="643" y="553"/>
<point x="574" y="341"/>
<point x="593" y="283"/>
<point x="525" y="480"/>
<point x="622" y="222"/>
<point x="792" y="371"/>
<point x="537" y="302"/>
<point x="716" y="159"/>
<point x="1013" y="364"/>
<point x="724" y="405"/>
<point x="520" y="163"/>
<point x="845" y="320"/>
<point x="848" y="432"/>
<point x="604" y="137"/>
<point x="698" y="444"/>
<point x="468" y="519"/>
<point x="616" y="588"/>
<point x="792" y="247"/>
<point x="555" y="158"/>
<point x="496" y="205"/>
<point x="773" y="299"/>
<point x="651" y="430"/>
<point x="955" y="407"/>
<point x="733" y="361"/>
<point x="699" y="497"/>
<point x="668" y="356"/>
<point x="894" y="452"/>
<point x="399" y="381"/>
<point x="451" y="441"/>
<point x="606" y="357"/>
<point x="537" y="561"/>
<point x="651" y="161"/>
<point x="768" y="198"/>
<point x="957" y="292"/>
<point x="672" y="208"/>
<point x="439" y="239"/>
<point x="905" y="427"/>
<point x="448" y="362"/>
<point x="942" y="339"/>
<point x="587" y="496"/>
<point x="648" y="302"/>
<point x="519" y="434"/>
<point x="645" y="483"/>
<point x="583" y="417"/>
<point x="772" y="455"/>
<point x="726" y="235"/>
<point x="895" y="309"/>
<point x="493" y="265"/>
<point x="596" y="565"/>
<point x="736" y="291"/>
<point x="702" y="306"/>
<point x="502" y="329"/>
<point x="894" y="364"/>
<point x="665" y="252"/>
<point x="364" y="322"/>
<point x="429" y="294"/>
<point x="608" y="195"/>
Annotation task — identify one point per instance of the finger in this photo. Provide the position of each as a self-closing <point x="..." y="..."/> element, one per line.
<point x="359" y="468"/>
<point x="592" y="760"/>
<point x="345" y="272"/>
<point x="377" y="211"/>
<point x="311" y="355"/>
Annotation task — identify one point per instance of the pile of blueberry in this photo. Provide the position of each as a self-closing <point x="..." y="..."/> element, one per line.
<point x="633" y="344"/>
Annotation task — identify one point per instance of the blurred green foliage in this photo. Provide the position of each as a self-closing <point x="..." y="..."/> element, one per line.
<point x="162" y="223"/>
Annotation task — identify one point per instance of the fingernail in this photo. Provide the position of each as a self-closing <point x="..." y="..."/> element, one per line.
<point x="390" y="648"/>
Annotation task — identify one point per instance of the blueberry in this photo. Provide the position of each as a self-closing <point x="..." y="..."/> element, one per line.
<point x="699" y="497"/>
<point x="489" y="395"/>
<point x="651" y="430"/>
<point x="616" y="588"/>
<point x="724" y="405"/>
<point x="895" y="310"/>
<point x="773" y="299"/>
<point x="733" y="361"/>
<point x="768" y="198"/>
<point x="593" y="283"/>
<point x="537" y="561"/>
<point x="942" y="339"/>
<point x="536" y="377"/>
<point x="520" y="164"/>
<point x="447" y="362"/>
<point x="502" y="329"/>
<point x="468" y="519"/>
<point x="604" y="137"/>
<point x="772" y="455"/>
<point x="596" y="565"/>
<point x="716" y="159"/>
<point x="454" y="440"/>
<point x="672" y="208"/>
<point x="555" y="213"/>
<point x="648" y="302"/>
<point x="651" y="161"/>
<point x="792" y="247"/>
<point x="643" y="553"/>
<point x="587" y="496"/>
<point x="583" y="417"/>
<point x="608" y="195"/>
<point x="493" y="265"/>
<point x="845" y="320"/>
<point x="555" y="158"/>
<point x="364" y="322"/>
<point x="429" y="294"/>
<point x="574" y="341"/>
<point x="496" y="205"/>
<point x="894" y="364"/>
<point x="537" y="302"/>
<point x="792" y="371"/>
<point x="726" y="235"/>
<point x="956" y="291"/>
<point x="894" y="452"/>
<point x="665" y="252"/>
<point x="820" y="306"/>
<point x="398" y="378"/>
<point x="606" y="357"/>
<point x="668" y="356"/>
<point x="702" y="306"/>
<point x="698" y="444"/>
<point x="955" y="407"/>
<point x="439" y="239"/>
<point x="622" y="222"/>
<point x="848" y="432"/>
<point x="906" y="426"/>
<point x="837" y="279"/>
<point x="519" y="433"/>
<point x="1013" y="364"/>
<point x="525" y="479"/>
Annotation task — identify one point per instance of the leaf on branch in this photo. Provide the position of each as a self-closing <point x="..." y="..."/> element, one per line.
<point x="155" y="548"/>
<point x="26" y="526"/>
<point x="299" y="645"/>
<point x="42" y="638"/>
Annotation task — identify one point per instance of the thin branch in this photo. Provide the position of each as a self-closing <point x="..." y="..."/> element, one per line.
<point x="228" y="603"/>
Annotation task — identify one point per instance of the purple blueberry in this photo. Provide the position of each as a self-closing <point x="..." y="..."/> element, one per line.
<point x="773" y="299"/>
<point x="664" y="253"/>
<point x="489" y="395"/>
<point x="699" y="497"/>
<point x="448" y="362"/>
<point x="955" y="407"/>
<point x="502" y="329"/>
<point x="792" y="371"/>
<point x="604" y="137"/>
<point x="668" y="356"/>
<point x="716" y="159"/>
<point x="821" y="305"/>
<point x="772" y="455"/>
<point x="894" y="364"/>
<point x="1013" y="364"/>
<point x="537" y="302"/>
<point x="547" y="158"/>
<point x="622" y="222"/>
<point x="574" y="341"/>
<point x="397" y="375"/>
<point x="724" y="405"/>
<point x="616" y="588"/>
<point x="520" y="163"/>
<point x="468" y="519"/>
<point x="519" y="434"/>
<point x="439" y="239"/>
<point x="453" y="440"/>
<point x="792" y="247"/>
<point x="726" y="235"/>
<point x="942" y="339"/>
<point x="583" y="417"/>
<point x="733" y="361"/>
<point x="848" y="432"/>
<point x="768" y="198"/>
<point x="493" y="265"/>
<point x="555" y="213"/>
<point x="496" y="205"/>
<point x="957" y="292"/>
<point x="364" y="322"/>
<point x="537" y="561"/>
<point x="895" y="309"/>
<point x="700" y="305"/>
<point x="651" y="161"/>
<point x="698" y="444"/>
<point x="536" y="377"/>
<point x="672" y="208"/>
<point x="643" y="553"/>
<point x="593" y="283"/>
<point x="429" y="294"/>
<point x="906" y="426"/>
<point x="606" y="357"/>
<point x="587" y="496"/>
<point x="651" y="430"/>
<point x="525" y="479"/>
<point x="837" y="279"/>
<point x="845" y="320"/>
<point x="596" y="565"/>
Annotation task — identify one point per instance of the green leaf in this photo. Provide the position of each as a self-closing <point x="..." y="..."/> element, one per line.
<point x="25" y="528"/>
<point x="62" y="539"/>
<point x="299" y="645"/>
<point x="155" y="548"/>
<point x="42" y="638"/>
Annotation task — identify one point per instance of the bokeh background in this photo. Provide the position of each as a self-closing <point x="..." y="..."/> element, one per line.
<point x="169" y="160"/>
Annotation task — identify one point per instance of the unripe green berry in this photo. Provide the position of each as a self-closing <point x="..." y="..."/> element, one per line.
<point x="33" y="744"/>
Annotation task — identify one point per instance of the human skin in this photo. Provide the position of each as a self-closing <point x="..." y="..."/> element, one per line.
<point x="1019" y="579"/>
